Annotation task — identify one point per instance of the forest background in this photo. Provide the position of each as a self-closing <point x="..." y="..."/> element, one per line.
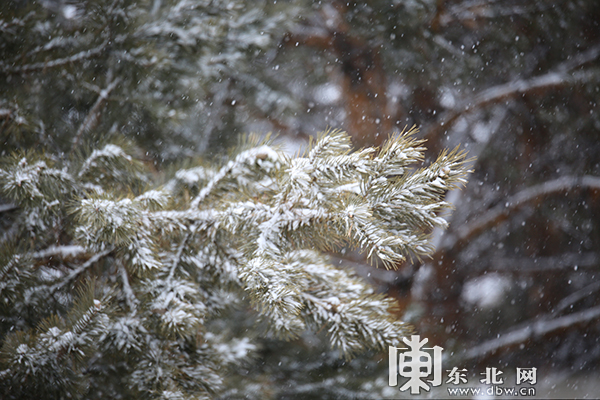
<point x="514" y="281"/>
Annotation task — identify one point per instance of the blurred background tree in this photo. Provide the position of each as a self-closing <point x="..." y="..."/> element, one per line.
<point x="515" y="277"/>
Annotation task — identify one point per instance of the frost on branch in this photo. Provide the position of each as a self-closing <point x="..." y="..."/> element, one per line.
<point x="328" y="198"/>
<point x="172" y="267"/>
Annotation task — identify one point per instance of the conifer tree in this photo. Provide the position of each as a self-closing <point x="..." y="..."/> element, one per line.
<point x="109" y="290"/>
<point x="126" y="278"/>
<point x="175" y="76"/>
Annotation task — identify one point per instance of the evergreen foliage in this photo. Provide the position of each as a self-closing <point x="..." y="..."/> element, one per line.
<point x="121" y="280"/>
<point x="106" y="105"/>
<point x="109" y="293"/>
<point x="165" y="73"/>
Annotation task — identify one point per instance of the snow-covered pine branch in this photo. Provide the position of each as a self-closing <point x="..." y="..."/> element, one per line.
<point x="170" y="263"/>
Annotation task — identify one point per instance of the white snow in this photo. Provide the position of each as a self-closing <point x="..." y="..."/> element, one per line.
<point x="66" y="251"/>
<point x="486" y="291"/>
<point x="328" y="94"/>
<point x="109" y="151"/>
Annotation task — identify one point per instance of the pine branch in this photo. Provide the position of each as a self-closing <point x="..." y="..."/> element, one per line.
<point x="74" y="274"/>
<point x="130" y="299"/>
<point x="51" y="356"/>
<point x="353" y="315"/>
<point x="108" y="154"/>
<point x="275" y="289"/>
<point x="245" y="236"/>
<point x="64" y="252"/>
<point x="250" y="157"/>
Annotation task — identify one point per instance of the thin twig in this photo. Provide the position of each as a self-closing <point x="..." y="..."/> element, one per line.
<point x="559" y="77"/>
<point x="60" y="251"/>
<point x="177" y="259"/>
<point x="7" y="207"/>
<point x="91" y="119"/>
<point x="527" y="264"/>
<point x="130" y="298"/>
<point x="223" y="172"/>
<point x="59" y="62"/>
<point x="81" y="269"/>
<point x="579" y="59"/>
<point x="501" y="212"/>
<point x="535" y="329"/>
<point x="217" y="178"/>
<point x="576" y="296"/>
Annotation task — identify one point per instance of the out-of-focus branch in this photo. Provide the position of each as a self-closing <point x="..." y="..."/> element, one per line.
<point x="63" y="252"/>
<point x="575" y="297"/>
<point x="559" y="77"/>
<point x="59" y="62"/>
<point x="130" y="298"/>
<point x="470" y="12"/>
<point x="7" y="207"/>
<point x="528" y="264"/>
<point x="579" y="59"/>
<point x="534" y="329"/>
<point x="91" y="119"/>
<point x="501" y="212"/>
<point x="180" y="250"/>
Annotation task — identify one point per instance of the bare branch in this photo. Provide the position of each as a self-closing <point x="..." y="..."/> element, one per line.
<point x="59" y="62"/>
<point x="91" y="120"/>
<point x="81" y="269"/>
<point x="579" y="59"/>
<point x="501" y="212"/>
<point x="7" y="207"/>
<point x="180" y="250"/>
<point x="130" y="298"/>
<point x="559" y="77"/>
<point x="562" y="261"/>
<point x="68" y="251"/>
<point x="576" y="296"/>
<point x="535" y="329"/>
